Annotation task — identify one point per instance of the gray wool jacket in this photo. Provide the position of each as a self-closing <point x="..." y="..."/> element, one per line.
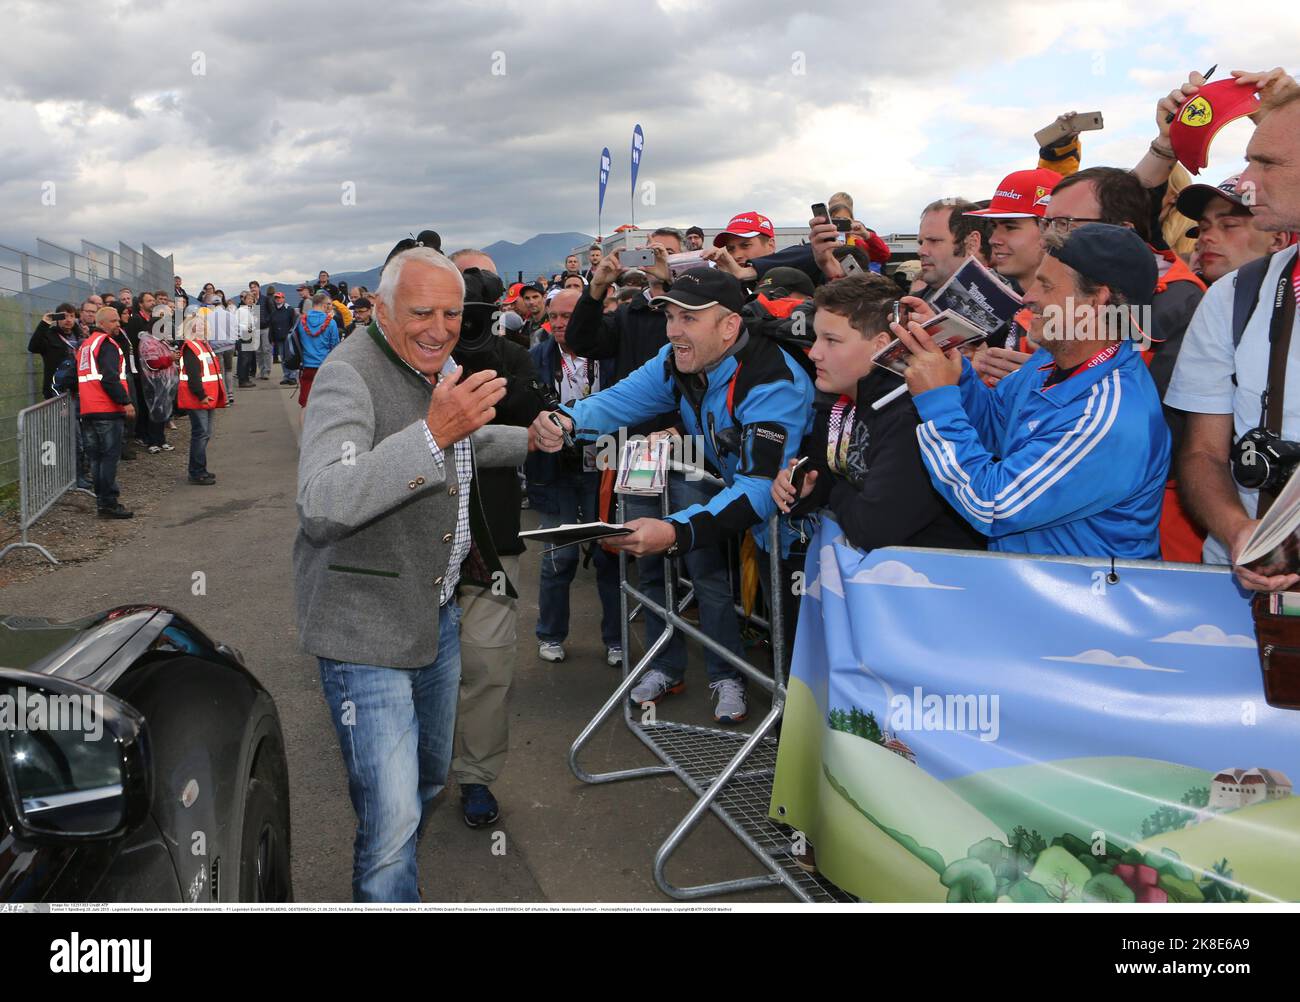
<point x="376" y="515"/>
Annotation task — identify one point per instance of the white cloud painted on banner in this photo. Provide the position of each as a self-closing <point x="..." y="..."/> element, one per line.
<point x="1106" y="659"/>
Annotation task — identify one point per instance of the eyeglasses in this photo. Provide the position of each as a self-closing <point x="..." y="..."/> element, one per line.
<point x="1064" y="224"/>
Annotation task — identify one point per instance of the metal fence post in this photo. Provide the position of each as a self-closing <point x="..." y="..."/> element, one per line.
<point x="47" y="464"/>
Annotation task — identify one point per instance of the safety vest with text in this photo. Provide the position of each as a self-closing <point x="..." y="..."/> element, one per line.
<point x="92" y="397"/>
<point x="214" y="385"/>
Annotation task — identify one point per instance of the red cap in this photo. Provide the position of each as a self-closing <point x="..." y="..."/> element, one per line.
<point x="1023" y="194"/>
<point x="745" y="225"/>
<point x="512" y="293"/>
<point x="1201" y="117"/>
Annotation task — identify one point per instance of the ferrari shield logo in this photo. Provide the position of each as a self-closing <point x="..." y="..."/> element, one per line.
<point x="1196" y="112"/>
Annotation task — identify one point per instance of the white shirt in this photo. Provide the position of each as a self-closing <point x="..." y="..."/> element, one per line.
<point x="1202" y="380"/>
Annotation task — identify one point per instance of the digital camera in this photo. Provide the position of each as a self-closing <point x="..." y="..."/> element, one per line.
<point x="1262" y="460"/>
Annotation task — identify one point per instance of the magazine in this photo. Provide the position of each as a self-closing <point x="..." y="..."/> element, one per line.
<point x="947" y="330"/>
<point x="978" y="295"/>
<point x="1274" y="546"/>
<point x="643" y="468"/>
<point x="569" y="535"/>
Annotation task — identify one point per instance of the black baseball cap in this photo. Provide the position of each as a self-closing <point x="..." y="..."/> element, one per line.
<point x="697" y="231"/>
<point x="1193" y="199"/>
<point x="361" y="304"/>
<point x="1114" y="256"/>
<point x="700" y="288"/>
<point x="779" y="282"/>
<point x="426" y="238"/>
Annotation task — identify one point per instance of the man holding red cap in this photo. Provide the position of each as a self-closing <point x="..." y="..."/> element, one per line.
<point x="1227" y="377"/>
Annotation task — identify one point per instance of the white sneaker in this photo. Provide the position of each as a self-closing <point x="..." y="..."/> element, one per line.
<point x="731" y="707"/>
<point x="154" y="450"/>
<point x="167" y="448"/>
<point x="654" y="686"/>
<point x="614" y="655"/>
<point x="550" y="651"/>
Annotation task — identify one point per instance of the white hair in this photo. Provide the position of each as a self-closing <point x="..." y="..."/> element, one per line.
<point x="393" y="271"/>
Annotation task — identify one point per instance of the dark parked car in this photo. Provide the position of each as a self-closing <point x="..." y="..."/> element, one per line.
<point x="139" y="761"/>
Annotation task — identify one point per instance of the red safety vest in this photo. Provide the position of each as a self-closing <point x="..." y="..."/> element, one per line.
<point x="90" y="386"/>
<point x="214" y="385"/>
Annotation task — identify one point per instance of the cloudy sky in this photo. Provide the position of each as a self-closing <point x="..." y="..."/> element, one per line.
<point x="231" y="134"/>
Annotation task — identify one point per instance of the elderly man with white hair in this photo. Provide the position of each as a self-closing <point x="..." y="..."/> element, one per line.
<point x="388" y="510"/>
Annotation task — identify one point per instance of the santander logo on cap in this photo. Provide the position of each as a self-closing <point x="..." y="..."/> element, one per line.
<point x="744" y="225"/>
<point x="1021" y="195"/>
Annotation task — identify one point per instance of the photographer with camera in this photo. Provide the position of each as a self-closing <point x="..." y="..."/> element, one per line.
<point x="1234" y="373"/>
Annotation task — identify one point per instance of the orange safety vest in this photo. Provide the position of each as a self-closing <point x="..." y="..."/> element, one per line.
<point x="214" y="385"/>
<point x="92" y="397"/>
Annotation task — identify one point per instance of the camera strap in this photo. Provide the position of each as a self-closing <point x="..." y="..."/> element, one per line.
<point x="1279" y="348"/>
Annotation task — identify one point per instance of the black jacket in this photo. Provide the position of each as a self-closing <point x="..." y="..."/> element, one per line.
<point x="281" y="321"/>
<point x="631" y="336"/>
<point x="498" y="488"/>
<point x="47" y="342"/>
<point x="887" y="498"/>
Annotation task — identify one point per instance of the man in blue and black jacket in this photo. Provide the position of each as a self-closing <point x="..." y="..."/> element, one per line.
<point x="743" y="398"/>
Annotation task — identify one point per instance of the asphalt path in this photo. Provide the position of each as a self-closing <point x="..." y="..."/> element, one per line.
<point x="560" y="840"/>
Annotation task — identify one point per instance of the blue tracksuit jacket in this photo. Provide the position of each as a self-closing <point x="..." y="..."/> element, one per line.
<point x="1074" y="469"/>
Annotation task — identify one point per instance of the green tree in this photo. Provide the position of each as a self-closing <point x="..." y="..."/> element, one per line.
<point x="873" y="731"/>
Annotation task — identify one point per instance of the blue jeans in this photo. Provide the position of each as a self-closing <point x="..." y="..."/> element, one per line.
<point x="395" y="729"/>
<point x="572" y="499"/>
<point x="200" y="432"/>
<point x="102" y="440"/>
<point x="709" y="574"/>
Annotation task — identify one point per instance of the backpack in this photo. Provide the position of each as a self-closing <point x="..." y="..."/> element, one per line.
<point x="64" y="379"/>
<point x="291" y="353"/>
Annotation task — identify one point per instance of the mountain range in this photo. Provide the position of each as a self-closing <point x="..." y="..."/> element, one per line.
<point x="542" y="254"/>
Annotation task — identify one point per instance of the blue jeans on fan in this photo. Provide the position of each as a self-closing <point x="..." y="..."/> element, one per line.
<point x="102" y="439"/>
<point x="395" y="728"/>
<point x="709" y="574"/>
<point x="200" y="432"/>
<point x="571" y="499"/>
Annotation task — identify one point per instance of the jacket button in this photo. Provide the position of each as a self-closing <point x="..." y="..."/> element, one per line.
<point x="437" y="580"/>
<point x="447" y="538"/>
<point x="411" y="485"/>
<point x="419" y="480"/>
<point x="451" y="490"/>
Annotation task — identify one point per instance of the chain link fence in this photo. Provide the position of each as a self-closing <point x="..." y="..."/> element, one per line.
<point x="33" y="283"/>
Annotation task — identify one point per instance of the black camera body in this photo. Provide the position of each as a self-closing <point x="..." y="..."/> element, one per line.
<point x="1262" y="460"/>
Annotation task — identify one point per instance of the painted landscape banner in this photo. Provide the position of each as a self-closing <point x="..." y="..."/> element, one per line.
<point x="980" y="727"/>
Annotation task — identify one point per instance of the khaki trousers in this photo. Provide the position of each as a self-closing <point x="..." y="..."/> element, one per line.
<point x="487" y="669"/>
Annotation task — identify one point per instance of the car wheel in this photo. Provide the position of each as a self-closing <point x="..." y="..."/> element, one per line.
<point x="264" y="846"/>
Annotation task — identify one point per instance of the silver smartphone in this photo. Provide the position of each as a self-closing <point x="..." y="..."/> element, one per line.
<point x="642" y="257"/>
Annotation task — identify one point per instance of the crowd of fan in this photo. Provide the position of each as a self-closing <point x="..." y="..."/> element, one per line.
<point x="751" y="359"/>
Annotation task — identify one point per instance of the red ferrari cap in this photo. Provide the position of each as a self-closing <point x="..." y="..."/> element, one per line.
<point x="745" y="225"/>
<point x="1201" y="117"/>
<point x="1023" y="194"/>
<point x="512" y="293"/>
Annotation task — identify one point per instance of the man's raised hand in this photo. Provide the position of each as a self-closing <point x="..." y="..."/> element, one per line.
<point x="459" y="407"/>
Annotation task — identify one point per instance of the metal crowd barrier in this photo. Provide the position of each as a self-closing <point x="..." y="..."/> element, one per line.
<point x="730" y="772"/>
<point x="47" y="463"/>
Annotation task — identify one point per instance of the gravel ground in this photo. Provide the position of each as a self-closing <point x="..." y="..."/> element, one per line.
<point x="75" y="534"/>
